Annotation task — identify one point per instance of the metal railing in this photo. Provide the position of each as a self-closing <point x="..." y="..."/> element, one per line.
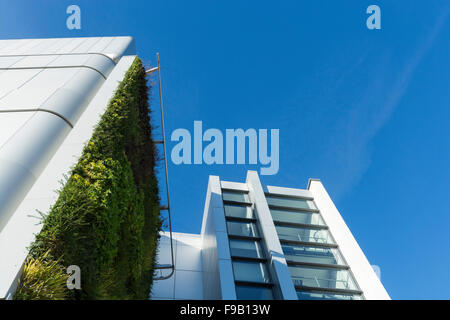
<point x="344" y="284"/>
<point x="315" y="238"/>
<point x="163" y="142"/>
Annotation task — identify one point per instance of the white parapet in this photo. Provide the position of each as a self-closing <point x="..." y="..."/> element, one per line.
<point x="363" y="272"/>
<point x="218" y="278"/>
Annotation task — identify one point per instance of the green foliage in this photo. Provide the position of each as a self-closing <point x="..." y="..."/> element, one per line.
<point x="106" y="219"/>
<point x="42" y="279"/>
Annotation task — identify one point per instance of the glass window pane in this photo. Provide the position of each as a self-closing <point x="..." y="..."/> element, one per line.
<point x="246" y="248"/>
<point x="237" y="228"/>
<point x="250" y="271"/>
<point x="304" y="295"/>
<point x="304" y="234"/>
<point x="235" y="196"/>
<point x="238" y="211"/>
<point x="322" y="278"/>
<point x="312" y="254"/>
<point x="297" y="217"/>
<point x="253" y="293"/>
<point x="290" y="202"/>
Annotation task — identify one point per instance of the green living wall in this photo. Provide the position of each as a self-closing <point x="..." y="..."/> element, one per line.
<point x="106" y="219"/>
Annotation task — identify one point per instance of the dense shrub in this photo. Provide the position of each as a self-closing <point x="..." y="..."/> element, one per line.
<point x="42" y="279"/>
<point x="106" y="219"/>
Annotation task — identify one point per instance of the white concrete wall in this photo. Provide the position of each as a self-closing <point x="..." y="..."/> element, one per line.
<point x="187" y="281"/>
<point x="364" y="274"/>
<point x="218" y="278"/>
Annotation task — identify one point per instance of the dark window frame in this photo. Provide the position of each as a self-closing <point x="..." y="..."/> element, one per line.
<point x="287" y="196"/>
<point x="312" y="244"/>
<point x="287" y="208"/>
<point x="254" y="284"/>
<point x="300" y="225"/>
<point x="328" y="290"/>
<point x="318" y="265"/>
<point x="240" y="219"/>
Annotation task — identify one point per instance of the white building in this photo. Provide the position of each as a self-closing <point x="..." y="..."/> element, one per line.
<point x="267" y="243"/>
<point x="275" y="243"/>
<point x="52" y="94"/>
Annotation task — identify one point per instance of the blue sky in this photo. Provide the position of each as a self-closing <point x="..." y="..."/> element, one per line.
<point x="366" y="111"/>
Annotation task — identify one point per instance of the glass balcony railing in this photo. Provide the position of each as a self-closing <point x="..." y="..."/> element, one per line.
<point x="291" y="202"/>
<point x="297" y="217"/>
<point x="246" y="248"/>
<point x="306" y="254"/>
<point x="250" y="271"/>
<point x="235" y="196"/>
<point x="253" y="293"/>
<point x="305" y="235"/>
<point x="238" y="228"/>
<point x="306" y="295"/>
<point x="322" y="278"/>
<point x="238" y="211"/>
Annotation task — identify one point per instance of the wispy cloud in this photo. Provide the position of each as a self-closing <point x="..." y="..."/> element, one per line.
<point x="350" y="152"/>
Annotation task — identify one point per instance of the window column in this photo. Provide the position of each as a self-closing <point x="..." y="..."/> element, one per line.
<point x="278" y="268"/>
<point x="316" y="265"/>
<point x="251" y="275"/>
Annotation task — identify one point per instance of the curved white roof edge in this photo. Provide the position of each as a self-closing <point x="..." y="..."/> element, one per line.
<point x="113" y="47"/>
<point x="49" y="83"/>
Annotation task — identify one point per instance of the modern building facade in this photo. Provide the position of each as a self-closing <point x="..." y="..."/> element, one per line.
<point x="255" y="243"/>
<point x="52" y="94"/>
<point x="268" y="243"/>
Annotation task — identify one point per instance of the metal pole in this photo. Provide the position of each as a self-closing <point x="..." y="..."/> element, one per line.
<point x="167" y="174"/>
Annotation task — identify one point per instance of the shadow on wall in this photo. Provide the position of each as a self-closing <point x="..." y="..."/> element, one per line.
<point x="187" y="281"/>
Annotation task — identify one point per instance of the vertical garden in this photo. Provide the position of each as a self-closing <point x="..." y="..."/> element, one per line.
<point x="106" y="219"/>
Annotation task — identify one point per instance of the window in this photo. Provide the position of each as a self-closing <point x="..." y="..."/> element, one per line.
<point x="235" y="196"/>
<point x="304" y="234"/>
<point x="291" y="202"/>
<point x="249" y="266"/>
<point x="238" y="211"/>
<point x="322" y="278"/>
<point x="237" y="228"/>
<point x="297" y="217"/>
<point x="250" y="271"/>
<point x="309" y="254"/>
<point x="253" y="293"/>
<point x="305" y="295"/>
<point x="246" y="248"/>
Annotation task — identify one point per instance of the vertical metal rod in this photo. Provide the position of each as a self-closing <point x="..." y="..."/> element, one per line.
<point x="167" y="174"/>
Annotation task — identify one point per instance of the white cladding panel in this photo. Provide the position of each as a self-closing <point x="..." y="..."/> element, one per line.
<point x="58" y="78"/>
<point x="113" y="47"/>
<point x="10" y="123"/>
<point x="187" y="281"/>
<point x="363" y="272"/>
<point x="30" y="93"/>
